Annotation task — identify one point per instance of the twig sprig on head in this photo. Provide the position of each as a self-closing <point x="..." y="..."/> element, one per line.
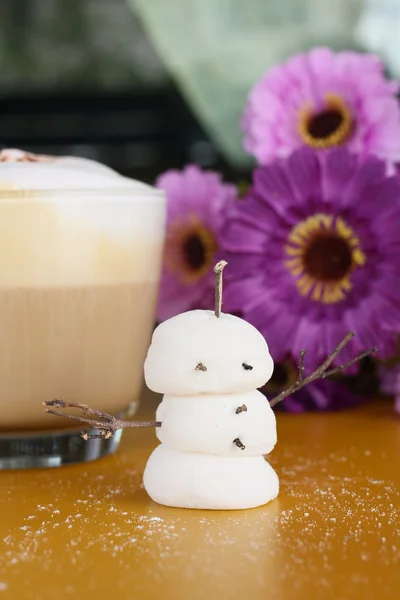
<point x="321" y="372"/>
<point x="219" y="267"/>
<point x="105" y="427"/>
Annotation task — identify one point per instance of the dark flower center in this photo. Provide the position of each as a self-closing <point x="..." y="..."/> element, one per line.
<point x="190" y="249"/>
<point x="325" y="124"/>
<point x="328" y="127"/>
<point x="284" y="376"/>
<point x="281" y="376"/>
<point x="194" y="252"/>
<point x="328" y="258"/>
<point x="322" y="253"/>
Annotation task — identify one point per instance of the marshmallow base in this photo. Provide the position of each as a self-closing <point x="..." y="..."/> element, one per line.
<point x="192" y="480"/>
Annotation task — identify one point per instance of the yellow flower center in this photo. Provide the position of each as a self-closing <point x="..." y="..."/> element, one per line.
<point x="190" y="249"/>
<point x="328" y="127"/>
<point x="322" y="252"/>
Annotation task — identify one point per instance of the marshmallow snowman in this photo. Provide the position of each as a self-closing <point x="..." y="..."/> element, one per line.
<point x="215" y="426"/>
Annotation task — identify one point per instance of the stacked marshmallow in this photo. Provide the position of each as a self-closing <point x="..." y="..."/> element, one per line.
<point x="215" y="426"/>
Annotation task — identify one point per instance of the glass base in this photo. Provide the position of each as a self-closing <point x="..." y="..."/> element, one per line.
<point x="54" y="448"/>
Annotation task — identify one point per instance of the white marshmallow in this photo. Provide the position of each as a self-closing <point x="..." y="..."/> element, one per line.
<point x="209" y="424"/>
<point x="190" y="480"/>
<point x="222" y="345"/>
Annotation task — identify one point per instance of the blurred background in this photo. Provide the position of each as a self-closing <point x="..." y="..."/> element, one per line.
<point x="144" y="85"/>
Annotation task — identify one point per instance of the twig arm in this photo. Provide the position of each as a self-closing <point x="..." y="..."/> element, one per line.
<point x="321" y="372"/>
<point x="300" y="376"/>
<point x="349" y="363"/>
<point x="107" y="427"/>
<point x="107" y="424"/>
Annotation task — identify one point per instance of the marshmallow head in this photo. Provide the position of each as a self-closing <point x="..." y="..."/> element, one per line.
<point x="197" y="353"/>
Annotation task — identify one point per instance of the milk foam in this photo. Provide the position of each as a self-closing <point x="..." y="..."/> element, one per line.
<point x="20" y="170"/>
<point x="73" y="221"/>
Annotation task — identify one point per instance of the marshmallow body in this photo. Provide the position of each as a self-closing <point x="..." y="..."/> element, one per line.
<point x="210" y="423"/>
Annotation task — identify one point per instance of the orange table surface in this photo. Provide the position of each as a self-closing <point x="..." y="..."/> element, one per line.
<point x="90" y="531"/>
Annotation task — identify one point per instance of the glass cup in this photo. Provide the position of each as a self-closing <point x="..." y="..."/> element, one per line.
<point x="80" y="262"/>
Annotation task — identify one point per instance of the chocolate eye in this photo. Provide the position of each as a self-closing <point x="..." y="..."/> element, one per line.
<point x="247" y="367"/>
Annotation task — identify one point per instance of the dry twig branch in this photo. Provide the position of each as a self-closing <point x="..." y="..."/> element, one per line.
<point x="107" y="424"/>
<point x="321" y="372"/>
<point x="105" y="427"/>
<point x="219" y="267"/>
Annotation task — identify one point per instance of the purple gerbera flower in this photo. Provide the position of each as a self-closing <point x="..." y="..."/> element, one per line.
<point x="197" y="205"/>
<point x="323" y="99"/>
<point x="314" y="251"/>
